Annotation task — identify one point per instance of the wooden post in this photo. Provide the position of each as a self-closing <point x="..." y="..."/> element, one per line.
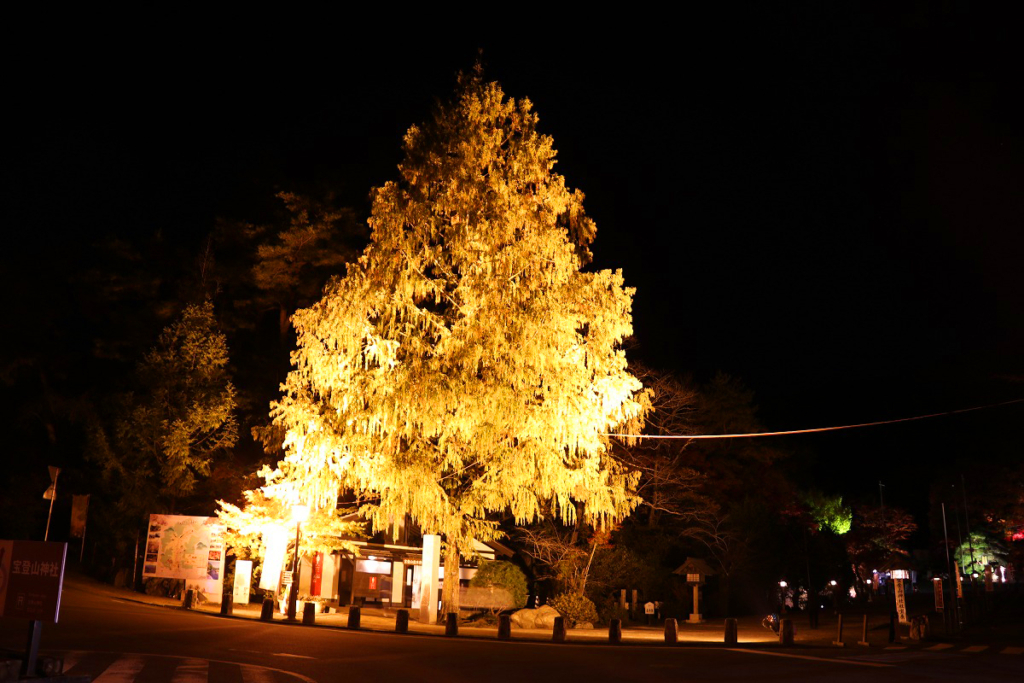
<point x="309" y="613"/>
<point x="671" y="632"/>
<point x="731" y="631"/>
<point x="786" y="632"/>
<point x="864" y="634"/>
<point x="558" y="632"/>
<point x="402" y="621"/>
<point x="615" y="632"/>
<point x="451" y="624"/>
<point x="353" y="617"/>
<point x="504" y="627"/>
<point x="838" y="642"/>
<point x="267" y="611"/>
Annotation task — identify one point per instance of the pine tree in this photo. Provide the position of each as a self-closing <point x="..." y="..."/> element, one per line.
<point x="466" y="366"/>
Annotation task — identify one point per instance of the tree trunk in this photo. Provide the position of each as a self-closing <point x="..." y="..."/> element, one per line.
<point x="450" y="587"/>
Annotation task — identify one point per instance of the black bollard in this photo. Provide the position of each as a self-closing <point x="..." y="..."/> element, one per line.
<point x="451" y="624"/>
<point x="190" y="596"/>
<point x="309" y="614"/>
<point x="402" y="621"/>
<point x="731" y="631"/>
<point x="227" y="606"/>
<point x="615" y="631"/>
<point x="353" y="617"/>
<point x="671" y="633"/>
<point x="558" y="631"/>
<point x="267" y="611"/>
<point x="892" y="628"/>
<point x="504" y="627"/>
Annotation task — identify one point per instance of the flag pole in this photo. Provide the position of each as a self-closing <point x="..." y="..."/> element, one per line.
<point x="55" y="471"/>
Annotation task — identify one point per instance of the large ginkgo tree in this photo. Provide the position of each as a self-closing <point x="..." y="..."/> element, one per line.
<point x="466" y="367"/>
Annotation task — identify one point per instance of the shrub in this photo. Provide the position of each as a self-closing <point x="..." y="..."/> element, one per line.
<point x="576" y="609"/>
<point x="501" y="574"/>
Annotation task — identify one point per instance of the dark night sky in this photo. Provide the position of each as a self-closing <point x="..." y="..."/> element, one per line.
<point x="828" y="206"/>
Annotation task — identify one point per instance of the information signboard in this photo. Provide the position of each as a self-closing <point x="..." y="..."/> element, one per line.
<point x="937" y="587"/>
<point x="901" y="601"/>
<point x="31" y="579"/>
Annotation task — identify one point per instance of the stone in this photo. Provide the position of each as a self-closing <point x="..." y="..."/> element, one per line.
<point x="545" y="617"/>
<point x="585" y="625"/>
<point x="524" y="618"/>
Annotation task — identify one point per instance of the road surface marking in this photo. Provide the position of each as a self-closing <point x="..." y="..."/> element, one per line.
<point x="253" y="674"/>
<point x="823" y="660"/>
<point x="896" y="647"/>
<point x="1013" y="650"/>
<point x="70" y="659"/>
<point x="123" y="670"/>
<point x="975" y="648"/>
<point x="939" y="646"/>
<point x="192" y="671"/>
<point x="289" y="654"/>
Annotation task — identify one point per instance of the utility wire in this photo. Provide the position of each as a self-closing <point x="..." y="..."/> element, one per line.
<point x="815" y="429"/>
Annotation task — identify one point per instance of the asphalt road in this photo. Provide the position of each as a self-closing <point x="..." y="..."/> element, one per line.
<point x="118" y="641"/>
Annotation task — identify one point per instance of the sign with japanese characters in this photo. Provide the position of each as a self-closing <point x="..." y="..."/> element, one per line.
<point x="31" y="579"/>
<point x="901" y="601"/>
<point x="937" y="588"/>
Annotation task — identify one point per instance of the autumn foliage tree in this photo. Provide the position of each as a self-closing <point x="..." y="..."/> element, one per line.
<point x="466" y="366"/>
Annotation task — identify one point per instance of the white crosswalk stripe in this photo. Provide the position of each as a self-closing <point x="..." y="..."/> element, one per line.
<point x="113" y="667"/>
<point x="123" y="670"/>
<point x="192" y="671"/>
<point x="252" y="674"/>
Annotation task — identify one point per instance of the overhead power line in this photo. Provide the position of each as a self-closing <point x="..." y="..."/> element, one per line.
<point x="815" y="429"/>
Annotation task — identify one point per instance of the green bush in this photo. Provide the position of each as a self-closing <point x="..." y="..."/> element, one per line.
<point x="576" y="609"/>
<point x="501" y="574"/>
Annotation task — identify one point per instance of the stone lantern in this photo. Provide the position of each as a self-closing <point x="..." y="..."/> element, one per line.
<point x="696" y="571"/>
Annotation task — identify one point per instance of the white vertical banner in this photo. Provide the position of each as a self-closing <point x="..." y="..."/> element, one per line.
<point x="429" y="578"/>
<point x="243" y="579"/>
<point x="901" y="601"/>
<point x="275" y="543"/>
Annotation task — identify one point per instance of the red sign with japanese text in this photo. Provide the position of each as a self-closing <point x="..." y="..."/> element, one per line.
<point x="31" y="579"/>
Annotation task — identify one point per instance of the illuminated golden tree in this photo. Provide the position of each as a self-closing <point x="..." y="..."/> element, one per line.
<point x="465" y="365"/>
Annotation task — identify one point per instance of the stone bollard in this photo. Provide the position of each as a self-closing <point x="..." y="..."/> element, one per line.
<point x="731" y="631"/>
<point x="309" y="613"/>
<point x="267" y="611"/>
<point x="353" y="617"/>
<point x="402" y="621"/>
<point x="838" y="642"/>
<point x="451" y="624"/>
<point x="504" y="627"/>
<point x="227" y="606"/>
<point x="615" y="631"/>
<point x="864" y="633"/>
<point x="787" y="629"/>
<point x="190" y="596"/>
<point x="671" y="632"/>
<point x="558" y="632"/>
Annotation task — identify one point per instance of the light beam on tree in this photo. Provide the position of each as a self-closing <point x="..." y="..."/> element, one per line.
<point x="466" y="365"/>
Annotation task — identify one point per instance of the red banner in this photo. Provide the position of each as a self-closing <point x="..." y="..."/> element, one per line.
<point x="31" y="579"/>
<point x="316" y="582"/>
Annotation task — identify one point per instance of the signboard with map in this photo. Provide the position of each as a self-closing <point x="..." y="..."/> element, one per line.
<point x="189" y="548"/>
